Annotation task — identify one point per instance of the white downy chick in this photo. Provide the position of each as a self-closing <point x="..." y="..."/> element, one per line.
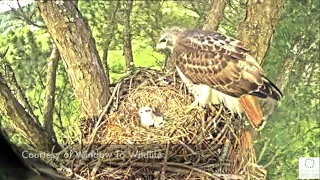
<point x="159" y="122"/>
<point x="147" y="116"/>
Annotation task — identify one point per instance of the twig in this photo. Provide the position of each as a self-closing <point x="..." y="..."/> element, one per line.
<point x="211" y="166"/>
<point x="181" y="169"/>
<point x="195" y="169"/>
<point x="95" y="168"/>
<point x="189" y="148"/>
<point x="131" y="79"/>
<point x="189" y="175"/>
<point x="117" y="168"/>
<point x="109" y="103"/>
<point x="117" y="102"/>
<point x="203" y="125"/>
<point x="163" y="171"/>
<point x="224" y="151"/>
<point x="215" y="118"/>
<point x="174" y="79"/>
<point x="272" y="159"/>
<point x="3" y="54"/>
<point x="230" y="176"/>
<point x="24" y="17"/>
<point x="220" y="134"/>
<point x="97" y="126"/>
<point x="233" y="133"/>
<point x="264" y="148"/>
<point x="78" y="176"/>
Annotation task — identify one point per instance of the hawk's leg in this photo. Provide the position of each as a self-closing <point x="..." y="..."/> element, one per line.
<point x="201" y="95"/>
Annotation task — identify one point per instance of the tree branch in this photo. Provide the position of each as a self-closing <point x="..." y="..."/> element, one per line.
<point x="21" y="120"/>
<point x="127" y="46"/>
<point x="215" y="15"/>
<point x="50" y="93"/>
<point x="109" y="39"/>
<point x="17" y="89"/>
<point x="22" y="16"/>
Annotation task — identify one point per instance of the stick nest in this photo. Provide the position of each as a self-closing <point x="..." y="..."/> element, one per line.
<point x="200" y="144"/>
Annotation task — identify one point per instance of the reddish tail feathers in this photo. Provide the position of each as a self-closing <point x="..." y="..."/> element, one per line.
<point x="253" y="110"/>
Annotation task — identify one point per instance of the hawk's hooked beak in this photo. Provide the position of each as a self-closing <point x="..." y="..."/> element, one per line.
<point x="161" y="46"/>
<point x="162" y="43"/>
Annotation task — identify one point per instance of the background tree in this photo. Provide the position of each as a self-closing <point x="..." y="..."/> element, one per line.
<point x="19" y="109"/>
<point x="21" y="120"/>
<point x="127" y="47"/>
<point x="257" y="29"/>
<point x="105" y="25"/>
<point x="215" y="15"/>
<point x="50" y="93"/>
<point x="77" y="48"/>
<point x="293" y="128"/>
<point x="201" y="10"/>
<point x="291" y="57"/>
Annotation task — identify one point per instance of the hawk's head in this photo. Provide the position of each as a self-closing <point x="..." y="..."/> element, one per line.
<point x="168" y="38"/>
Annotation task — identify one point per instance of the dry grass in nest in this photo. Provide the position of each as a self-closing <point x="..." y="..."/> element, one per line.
<point x="196" y="145"/>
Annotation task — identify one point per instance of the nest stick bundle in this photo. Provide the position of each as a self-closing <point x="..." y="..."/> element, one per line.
<point x="201" y="144"/>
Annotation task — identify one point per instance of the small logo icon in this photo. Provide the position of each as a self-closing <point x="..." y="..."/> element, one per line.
<point x="309" y="168"/>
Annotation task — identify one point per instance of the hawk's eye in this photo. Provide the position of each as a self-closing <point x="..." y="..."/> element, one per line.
<point x="163" y="40"/>
<point x="148" y="110"/>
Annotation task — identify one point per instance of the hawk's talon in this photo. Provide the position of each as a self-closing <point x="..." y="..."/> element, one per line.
<point x="194" y="105"/>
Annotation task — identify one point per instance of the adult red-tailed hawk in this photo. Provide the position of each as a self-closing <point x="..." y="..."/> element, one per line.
<point x="218" y="69"/>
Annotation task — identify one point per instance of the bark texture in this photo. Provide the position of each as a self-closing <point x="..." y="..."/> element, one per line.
<point x="127" y="47"/>
<point x="16" y="89"/>
<point x="21" y="120"/>
<point x="50" y="93"/>
<point x="109" y="38"/>
<point x="257" y="29"/>
<point x="73" y="38"/>
<point x="215" y="15"/>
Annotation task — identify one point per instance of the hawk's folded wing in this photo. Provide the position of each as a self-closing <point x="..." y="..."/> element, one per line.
<point x="222" y="63"/>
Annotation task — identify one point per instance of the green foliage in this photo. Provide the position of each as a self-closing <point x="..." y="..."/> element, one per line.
<point x="294" y="128"/>
<point x="148" y="20"/>
<point x="29" y="50"/>
<point x="234" y="14"/>
<point x="27" y="62"/>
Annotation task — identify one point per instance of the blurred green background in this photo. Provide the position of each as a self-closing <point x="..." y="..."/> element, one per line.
<point x="292" y="130"/>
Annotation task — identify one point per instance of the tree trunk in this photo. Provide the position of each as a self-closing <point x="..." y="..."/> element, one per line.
<point x="22" y="121"/>
<point x="109" y="39"/>
<point x="215" y="15"/>
<point x="257" y="29"/>
<point x="74" y="40"/>
<point x="50" y="93"/>
<point x="127" y="47"/>
<point x="256" y="32"/>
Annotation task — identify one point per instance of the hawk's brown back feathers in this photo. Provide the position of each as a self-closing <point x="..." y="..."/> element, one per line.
<point x="222" y="63"/>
